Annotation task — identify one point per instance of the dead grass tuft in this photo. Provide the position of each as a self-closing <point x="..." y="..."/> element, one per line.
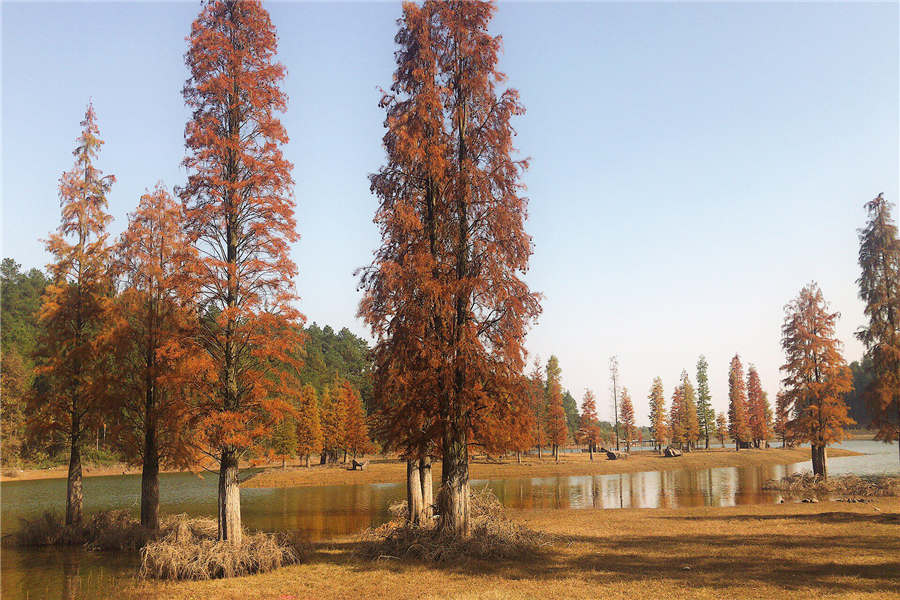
<point x="492" y="536"/>
<point x="847" y="485"/>
<point x="189" y="550"/>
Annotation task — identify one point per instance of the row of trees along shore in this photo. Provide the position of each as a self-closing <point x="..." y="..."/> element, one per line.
<point x="184" y="337"/>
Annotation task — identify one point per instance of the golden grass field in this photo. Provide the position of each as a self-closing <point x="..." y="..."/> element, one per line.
<point x="824" y="550"/>
<point x="391" y="470"/>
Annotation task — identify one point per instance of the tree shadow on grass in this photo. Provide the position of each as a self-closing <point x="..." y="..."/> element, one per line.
<point x="791" y="562"/>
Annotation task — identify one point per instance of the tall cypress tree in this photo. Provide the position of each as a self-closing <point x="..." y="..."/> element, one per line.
<point x="879" y="288"/>
<point x="705" y="414"/>
<point x="74" y="306"/>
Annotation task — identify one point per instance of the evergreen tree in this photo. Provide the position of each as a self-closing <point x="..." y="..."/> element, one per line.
<point x="706" y="416"/>
<point x="879" y="288"/>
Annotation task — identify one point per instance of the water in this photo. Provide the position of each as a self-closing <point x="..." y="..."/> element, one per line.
<point x="328" y="511"/>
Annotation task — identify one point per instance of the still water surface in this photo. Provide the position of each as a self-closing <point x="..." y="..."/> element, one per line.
<point x="327" y="511"/>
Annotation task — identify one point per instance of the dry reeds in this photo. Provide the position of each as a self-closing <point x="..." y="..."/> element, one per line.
<point x="493" y="536"/>
<point x="189" y="550"/>
<point x="107" y="530"/>
<point x="846" y="485"/>
<point x="183" y="548"/>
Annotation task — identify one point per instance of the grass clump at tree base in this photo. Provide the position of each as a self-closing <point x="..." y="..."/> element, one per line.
<point x="189" y="550"/>
<point x="493" y="536"/>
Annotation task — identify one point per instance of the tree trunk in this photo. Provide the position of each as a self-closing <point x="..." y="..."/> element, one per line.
<point x="453" y="499"/>
<point x="324" y="457"/>
<point x="820" y="466"/>
<point x="539" y="453"/>
<point x="307" y="461"/>
<point x="518" y="457"/>
<point x="229" y="509"/>
<point x="283" y="462"/>
<point x="150" y="482"/>
<point x="74" y="493"/>
<point x="427" y="487"/>
<point x="591" y="450"/>
<point x="413" y="492"/>
<point x="737" y="445"/>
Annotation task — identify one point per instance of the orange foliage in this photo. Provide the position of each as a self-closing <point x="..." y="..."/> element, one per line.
<point x="589" y="427"/>
<point x="738" y="421"/>
<point x="356" y="430"/>
<point x="816" y="376"/>
<point x="445" y="296"/>
<point x="146" y="382"/>
<point x="309" y="428"/>
<point x="73" y="308"/>
<point x="239" y="212"/>
<point x="627" y="418"/>
<point x="657" y="399"/>
<point x="758" y="422"/>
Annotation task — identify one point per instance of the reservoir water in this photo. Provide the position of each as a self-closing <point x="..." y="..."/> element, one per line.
<point x="328" y="511"/>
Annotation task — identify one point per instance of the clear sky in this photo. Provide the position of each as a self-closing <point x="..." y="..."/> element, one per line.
<point x="693" y="165"/>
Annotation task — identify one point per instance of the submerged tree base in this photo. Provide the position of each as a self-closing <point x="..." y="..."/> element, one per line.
<point x="847" y="485"/>
<point x="107" y="530"/>
<point x="493" y="536"/>
<point x="183" y="548"/>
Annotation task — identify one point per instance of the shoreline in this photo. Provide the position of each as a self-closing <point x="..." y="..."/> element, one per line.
<point x="571" y="464"/>
<point x="391" y="470"/>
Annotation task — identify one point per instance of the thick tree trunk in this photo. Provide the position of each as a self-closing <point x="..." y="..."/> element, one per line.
<point x="737" y="445"/>
<point x="591" y="450"/>
<point x="413" y="492"/>
<point x="229" y="509"/>
<point x="307" y="461"/>
<point x="454" y="496"/>
<point x="518" y="457"/>
<point x="819" y="462"/>
<point x="150" y="482"/>
<point x="539" y="453"/>
<point x="427" y="487"/>
<point x="74" y="493"/>
<point x="324" y="457"/>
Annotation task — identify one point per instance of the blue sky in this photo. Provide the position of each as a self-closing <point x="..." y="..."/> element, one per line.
<point x="693" y="165"/>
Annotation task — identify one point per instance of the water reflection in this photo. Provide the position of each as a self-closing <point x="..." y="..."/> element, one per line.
<point x="325" y="512"/>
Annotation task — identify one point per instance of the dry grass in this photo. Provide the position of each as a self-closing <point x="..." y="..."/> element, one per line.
<point x="781" y="551"/>
<point x="493" y="536"/>
<point x="107" y="530"/>
<point x="848" y="485"/>
<point x="189" y="550"/>
<point x="389" y="470"/>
